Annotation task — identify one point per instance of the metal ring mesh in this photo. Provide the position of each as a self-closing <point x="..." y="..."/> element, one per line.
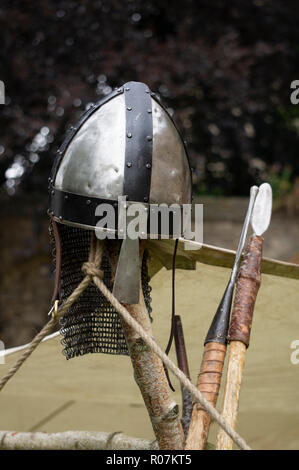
<point x="92" y="324"/>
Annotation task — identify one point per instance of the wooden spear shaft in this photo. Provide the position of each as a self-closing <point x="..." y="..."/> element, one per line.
<point x="208" y="383"/>
<point x="248" y="284"/>
<point x="236" y="362"/>
<point x="210" y="374"/>
<point x="151" y="379"/>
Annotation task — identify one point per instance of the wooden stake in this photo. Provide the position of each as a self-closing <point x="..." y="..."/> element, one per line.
<point x="151" y="379"/>
<point x="248" y="284"/>
<point x="236" y="362"/>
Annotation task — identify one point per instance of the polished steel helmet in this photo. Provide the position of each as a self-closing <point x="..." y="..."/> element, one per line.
<point x="125" y="145"/>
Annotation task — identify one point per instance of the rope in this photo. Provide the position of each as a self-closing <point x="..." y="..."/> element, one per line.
<point x="95" y="255"/>
<point x="90" y="269"/>
<point x="93" y="273"/>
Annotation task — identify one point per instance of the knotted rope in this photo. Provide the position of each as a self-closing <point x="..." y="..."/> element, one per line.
<point x="93" y="273"/>
<point x="91" y="270"/>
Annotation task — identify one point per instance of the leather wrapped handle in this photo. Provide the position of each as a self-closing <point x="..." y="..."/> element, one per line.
<point x="208" y="383"/>
<point x="248" y="284"/>
<point x="209" y="377"/>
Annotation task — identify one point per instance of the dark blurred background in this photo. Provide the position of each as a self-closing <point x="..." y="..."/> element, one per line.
<point x="223" y="68"/>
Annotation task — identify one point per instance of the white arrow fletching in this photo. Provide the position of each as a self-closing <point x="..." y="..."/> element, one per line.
<point x="262" y="210"/>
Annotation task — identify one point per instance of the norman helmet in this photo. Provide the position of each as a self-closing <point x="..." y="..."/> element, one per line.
<point x="126" y="145"/>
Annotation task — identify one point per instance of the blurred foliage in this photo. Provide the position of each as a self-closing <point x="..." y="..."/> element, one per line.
<point x="225" y="69"/>
<point x="280" y="182"/>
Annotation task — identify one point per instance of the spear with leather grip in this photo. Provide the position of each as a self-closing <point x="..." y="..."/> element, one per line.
<point x="209" y="378"/>
<point x="247" y="287"/>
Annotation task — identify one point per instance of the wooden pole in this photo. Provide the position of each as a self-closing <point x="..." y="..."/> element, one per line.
<point x="151" y="379"/>
<point x="236" y="362"/>
<point x="208" y="383"/>
<point x="72" y="440"/>
<point x="248" y="284"/>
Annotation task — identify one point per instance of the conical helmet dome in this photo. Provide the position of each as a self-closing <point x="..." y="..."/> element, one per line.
<point x="125" y="145"/>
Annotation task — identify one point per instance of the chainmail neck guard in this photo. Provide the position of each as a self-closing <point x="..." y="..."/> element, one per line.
<point x="92" y="325"/>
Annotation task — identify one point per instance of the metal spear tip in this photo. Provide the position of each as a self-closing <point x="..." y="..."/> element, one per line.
<point x="220" y="324"/>
<point x="254" y="190"/>
<point x="262" y="210"/>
